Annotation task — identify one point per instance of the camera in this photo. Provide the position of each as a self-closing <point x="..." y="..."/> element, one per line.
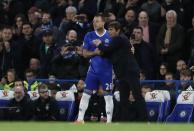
<point x="71" y="46"/>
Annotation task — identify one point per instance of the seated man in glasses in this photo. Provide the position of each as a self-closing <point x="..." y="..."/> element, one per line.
<point x="45" y="106"/>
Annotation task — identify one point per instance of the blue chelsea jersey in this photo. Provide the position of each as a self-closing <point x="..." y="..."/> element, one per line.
<point x="98" y="64"/>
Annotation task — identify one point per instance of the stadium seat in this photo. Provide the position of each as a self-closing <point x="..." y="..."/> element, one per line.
<point x="66" y="103"/>
<point x="167" y="103"/>
<point x="33" y="95"/>
<point x="5" y="97"/>
<point x="183" y="110"/>
<point x="155" y="106"/>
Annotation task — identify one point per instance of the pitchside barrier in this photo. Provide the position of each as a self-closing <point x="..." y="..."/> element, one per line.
<point x="158" y="101"/>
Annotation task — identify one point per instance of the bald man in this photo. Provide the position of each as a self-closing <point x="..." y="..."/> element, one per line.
<point x="71" y="35"/>
<point x="20" y="107"/>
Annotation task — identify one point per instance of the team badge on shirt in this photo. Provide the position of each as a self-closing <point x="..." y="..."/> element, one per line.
<point x="106" y="41"/>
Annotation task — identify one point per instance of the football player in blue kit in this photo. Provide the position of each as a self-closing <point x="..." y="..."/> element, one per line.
<point x="100" y="69"/>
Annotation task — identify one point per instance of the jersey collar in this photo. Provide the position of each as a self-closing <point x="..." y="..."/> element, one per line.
<point x="102" y="33"/>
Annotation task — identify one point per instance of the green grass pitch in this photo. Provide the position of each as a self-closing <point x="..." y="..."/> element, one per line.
<point x="64" y="126"/>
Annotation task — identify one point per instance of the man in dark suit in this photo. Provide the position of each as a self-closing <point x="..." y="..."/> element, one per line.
<point x="126" y="70"/>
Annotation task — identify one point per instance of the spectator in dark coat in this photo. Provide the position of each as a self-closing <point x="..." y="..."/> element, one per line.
<point x="45" y="107"/>
<point x="67" y="64"/>
<point x="129" y="22"/>
<point x="143" y="52"/>
<point x="170" y="40"/>
<point x="16" y="49"/>
<point x="68" y="21"/>
<point x="47" y="49"/>
<point x="20" y="106"/>
<point x="47" y="24"/>
<point x="31" y="44"/>
<point x="34" y="16"/>
<point x="76" y="22"/>
<point x="5" y="60"/>
<point x="17" y="30"/>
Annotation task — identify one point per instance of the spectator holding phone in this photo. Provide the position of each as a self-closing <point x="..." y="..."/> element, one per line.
<point x="143" y="52"/>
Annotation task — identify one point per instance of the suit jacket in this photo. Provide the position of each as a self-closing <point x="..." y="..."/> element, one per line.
<point x="175" y="47"/>
<point x="176" y="42"/>
<point x="122" y="59"/>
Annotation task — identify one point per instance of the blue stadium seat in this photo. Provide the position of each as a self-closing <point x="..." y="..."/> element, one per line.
<point x="167" y="103"/>
<point x="66" y="104"/>
<point x="155" y="106"/>
<point x="5" y="97"/>
<point x="183" y="110"/>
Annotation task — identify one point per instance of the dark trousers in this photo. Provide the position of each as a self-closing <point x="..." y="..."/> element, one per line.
<point x="131" y="82"/>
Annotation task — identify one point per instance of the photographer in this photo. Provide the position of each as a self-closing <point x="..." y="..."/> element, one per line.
<point x="67" y="64"/>
<point x="143" y="52"/>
